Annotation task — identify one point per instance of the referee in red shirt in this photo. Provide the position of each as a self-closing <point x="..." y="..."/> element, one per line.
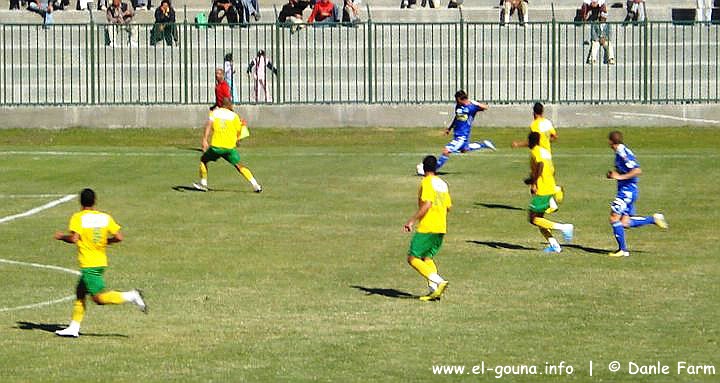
<point x="222" y="89"/>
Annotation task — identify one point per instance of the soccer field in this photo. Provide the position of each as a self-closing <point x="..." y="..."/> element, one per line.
<point x="308" y="280"/>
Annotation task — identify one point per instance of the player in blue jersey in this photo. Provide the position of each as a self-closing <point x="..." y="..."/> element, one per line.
<point x="465" y="111"/>
<point x="622" y="209"/>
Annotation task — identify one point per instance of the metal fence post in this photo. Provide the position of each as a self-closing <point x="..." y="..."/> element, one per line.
<point x="186" y="69"/>
<point x="370" y="47"/>
<point x="462" y="51"/>
<point x="91" y="80"/>
<point x="646" y="66"/>
<point x="554" y="61"/>
<point x="278" y="59"/>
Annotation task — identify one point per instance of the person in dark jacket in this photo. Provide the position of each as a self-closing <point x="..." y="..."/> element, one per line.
<point x="164" y="27"/>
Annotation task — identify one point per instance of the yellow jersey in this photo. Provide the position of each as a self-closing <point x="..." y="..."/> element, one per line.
<point x="94" y="228"/>
<point x="435" y="190"/>
<point x="546" y="180"/>
<point x="545" y="127"/>
<point x="226" y="126"/>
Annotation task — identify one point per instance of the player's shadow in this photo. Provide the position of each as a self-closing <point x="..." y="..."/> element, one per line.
<point x="390" y="293"/>
<point x="184" y="188"/>
<point x="593" y="250"/>
<point x="52" y="327"/>
<point x="497" y="206"/>
<point x="192" y="149"/>
<point x="500" y="245"/>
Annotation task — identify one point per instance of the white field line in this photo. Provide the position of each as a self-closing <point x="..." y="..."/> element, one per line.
<point x="667" y="117"/>
<point x="38" y="209"/>
<point x="508" y="154"/>
<point x="20" y="196"/>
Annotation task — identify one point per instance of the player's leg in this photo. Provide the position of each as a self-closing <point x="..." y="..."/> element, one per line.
<point x="619" y="220"/>
<point x="95" y="284"/>
<point x="454" y="146"/>
<point x="541" y="205"/>
<point x="424" y="246"/>
<point x="477" y="145"/>
<point x="209" y="155"/>
<point x="431" y="263"/>
<point x="78" y="312"/>
<point x="233" y="157"/>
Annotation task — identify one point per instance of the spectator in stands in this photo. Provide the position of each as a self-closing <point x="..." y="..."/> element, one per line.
<point x="164" y="28"/>
<point x="119" y="16"/>
<point x="324" y="12"/>
<point x="511" y="6"/>
<point x="257" y="69"/>
<point x="591" y="10"/>
<point x="455" y="3"/>
<point x="600" y="35"/>
<point x="229" y="70"/>
<point x="635" y="11"/>
<point x="292" y="14"/>
<point x="412" y="3"/>
<point x="222" y="89"/>
<point x="222" y="9"/>
<point x="351" y="13"/>
<point x="44" y="8"/>
<point x="704" y="11"/>
<point x="250" y="8"/>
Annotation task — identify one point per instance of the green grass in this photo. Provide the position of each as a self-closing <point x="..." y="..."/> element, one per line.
<point x="271" y="287"/>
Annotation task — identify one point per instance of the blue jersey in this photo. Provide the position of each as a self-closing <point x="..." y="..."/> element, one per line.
<point x="625" y="161"/>
<point x="464" y="116"/>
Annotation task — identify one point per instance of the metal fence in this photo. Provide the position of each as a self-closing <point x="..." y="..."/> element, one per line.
<point x="371" y="62"/>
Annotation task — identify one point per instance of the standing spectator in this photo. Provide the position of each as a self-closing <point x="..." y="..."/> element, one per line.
<point x="292" y="13"/>
<point x="44" y="8"/>
<point x="324" y="12"/>
<point x="591" y="9"/>
<point x="412" y="3"/>
<point x="120" y="16"/>
<point x="351" y="13"/>
<point x="228" y="9"/>
<point x="164" y="27"/>
<point x="257" y="69"/>
<point x="635" y="11"/>
<point x="222" y="89"/>
<point x="455" y="3"/>
<point x="250" y="8"/>
<point x="600" y="35"/>
<point x="511" y="6"/>
<point x="229" y="72"/>
<point x="704" y="10"/>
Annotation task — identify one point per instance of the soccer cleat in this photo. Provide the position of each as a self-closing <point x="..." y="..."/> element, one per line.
<point x="69" y="332"/>
<point x="439" y="291"/>
<point x="552" y="249"/>
<point x="619" y="254"/>
<point x="420" y="169"/>
<point x="258" y="189"/>
<point x="568" y="233"/>
<point x="660" y="220"/>
<point x="199" y="186"/>
<point x="429" y="298"/>
<point x="489" y="144"/>
<point x="139" y="301"/>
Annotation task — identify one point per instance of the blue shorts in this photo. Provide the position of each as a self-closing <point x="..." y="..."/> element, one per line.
<point x="624" y="202"/>
<point x="459" y="144"/>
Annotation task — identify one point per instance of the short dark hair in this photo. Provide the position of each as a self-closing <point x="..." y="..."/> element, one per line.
<point x="226" y="103"/>
<point x="538" y="109"/>
<point x="87" y="198"/>
<point x="615" y="137"/>
<point x="461" y="95"/>
<point x="533" y="139"/>
<point x="429" y="164"/>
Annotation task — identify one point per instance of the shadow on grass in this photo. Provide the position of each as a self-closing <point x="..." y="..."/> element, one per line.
<point x="501" y="245"/>
<point x="497" y="206"/>
<point x="199" y="150"/>
<point x="183" y="189"/>
<point x="52" y="327"/>
<point x="390" y="293"/>
<point x="593" y="250"/>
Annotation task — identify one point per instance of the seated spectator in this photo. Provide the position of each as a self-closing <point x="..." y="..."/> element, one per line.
<point x="44" y="8"/>
<point x="351" y="13"/>
<point x="324" y="12"/>
<point x="164" y="27"/>
<point x="591" y="10"/>
<point x="292" y="14"/>
<point x="635" y="11"/>
<point x="250" y="8"/>
<point x="412" y="3"/>
<point x="222" y="9"/>
<point x="455" y="3"/>
<point x="704" y="11"/>
<point x="511" y="6"/>
<point x="600" y="35"/>
<point x="119" y="16"/>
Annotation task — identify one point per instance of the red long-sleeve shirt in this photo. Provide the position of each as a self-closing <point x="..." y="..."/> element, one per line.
<point x="321" y="11"/>
<point x="222" y="90"/>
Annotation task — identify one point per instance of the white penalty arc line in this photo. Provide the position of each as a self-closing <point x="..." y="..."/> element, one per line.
<point x="28" y="213"/>
<point x="40" y="266"/>
<point x="38" y="209"/>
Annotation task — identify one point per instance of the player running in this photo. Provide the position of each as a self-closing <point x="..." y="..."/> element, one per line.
<point x="465" y="111"/>
<point x="622" y="209"/>
<point x="227" y="129"/>
<point x="543" y="189"/>
<point x="431" y="217"/>
<point x="92" y="231"/>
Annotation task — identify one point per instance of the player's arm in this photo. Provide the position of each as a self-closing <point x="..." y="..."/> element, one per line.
<point x="116" y="238"/>
<point x="483" y="107"/>
<point x="519" y="144"/>
<point x="535" y="172"/>
<point x="206" y="135"/>
<point x="422" y="210"/>
<point x="614" y="175"/>
<point x="73" y="237"/>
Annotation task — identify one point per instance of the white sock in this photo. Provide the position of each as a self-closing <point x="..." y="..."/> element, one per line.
<point x="562" y="226"/>
<point x="74" y="325"/>
<point x="554" y="242"/>
<point x="435" y="278"/>
<point x="254" y="183"/>
<point x="432" y="285"/>
<point x="203" y="182"/>
<point x="129" y="296"/>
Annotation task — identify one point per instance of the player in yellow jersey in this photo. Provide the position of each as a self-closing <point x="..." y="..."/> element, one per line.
<point x="227" y="129"/>
<point x="543" y="189"/>
<point x="431" y="217"/>
<point x="92" y="231"/>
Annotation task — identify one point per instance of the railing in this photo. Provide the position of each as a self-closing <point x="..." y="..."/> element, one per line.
<point x="371" y="62"/>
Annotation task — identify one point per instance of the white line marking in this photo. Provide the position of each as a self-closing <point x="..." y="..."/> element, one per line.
<point x="18" y="196"/>
<point x="668" y="117"/>
<point x="45" y="303"/>
<point x="38" y="209"/>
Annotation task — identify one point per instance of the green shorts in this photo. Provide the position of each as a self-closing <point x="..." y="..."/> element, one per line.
<point x="541" y="203"/>
<point x="425" y="245"/>
<point x="91" y="280"/>
<point x="213" y="153"/>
